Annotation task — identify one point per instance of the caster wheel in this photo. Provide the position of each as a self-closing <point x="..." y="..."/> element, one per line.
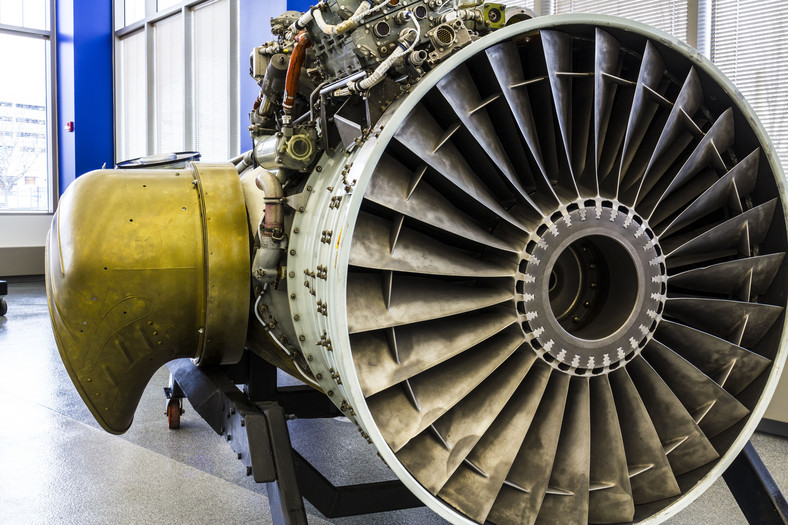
<point x="174" y="414"/>
<point x="3" y="307"/>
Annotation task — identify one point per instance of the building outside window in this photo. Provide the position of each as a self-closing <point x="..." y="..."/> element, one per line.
<point x="27" y="180"/>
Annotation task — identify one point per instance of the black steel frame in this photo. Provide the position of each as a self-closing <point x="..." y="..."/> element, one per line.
<point x="254" y="423"/>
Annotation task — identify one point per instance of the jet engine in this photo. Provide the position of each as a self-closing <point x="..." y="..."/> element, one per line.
<point x="539" y="264"/>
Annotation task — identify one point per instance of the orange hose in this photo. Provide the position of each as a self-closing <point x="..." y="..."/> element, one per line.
<point x="294" y="70"/>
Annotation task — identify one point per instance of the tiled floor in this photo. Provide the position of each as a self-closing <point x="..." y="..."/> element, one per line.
<point x="57" y="466"/>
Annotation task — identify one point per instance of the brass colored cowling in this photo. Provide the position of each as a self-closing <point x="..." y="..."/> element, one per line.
<point x="146" y="266"/>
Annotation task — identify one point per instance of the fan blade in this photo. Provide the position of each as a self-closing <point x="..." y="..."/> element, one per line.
<point x="389" y="187"/>
<point x="688" y="101"/>
<point x="438" y="389"/>
<point x="651" y="477"/>
<point x="421" y="346"/>
<point x="724" y="318"/>
<point x="714" y="409"/>
<point x="521" y="497"/>
<point x="606" y="65"/>
<point x="413" y="299"/>
<point x="566" y="500"/>
<point x="433" y="460"/>
<point x="558" y="57"/>
<point x="643" y="106"/>
<point x="741" y="177"/>
<point x="460" y="91"/>
<point x="740" y="277"/>
<point x="685" y="444"/>
<point x="505" y="61"/>
<point x="421" y="134"/>
<point x="739" y="232"/>
<point x="717" y="140"/>
<point x="612" y="500"/>
<point x="734" y="366"/>
<point x="687" y="195"/>
<point x="414" y="253"/>
<point x="474" y="490"/>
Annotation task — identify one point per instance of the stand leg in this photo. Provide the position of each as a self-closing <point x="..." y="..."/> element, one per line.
<point x="3" y="304"/>
<point x="755" y="491"/>
<point x="287" y="505"/>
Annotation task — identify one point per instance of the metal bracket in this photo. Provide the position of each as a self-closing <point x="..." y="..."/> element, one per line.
<point x="298" y="201"/>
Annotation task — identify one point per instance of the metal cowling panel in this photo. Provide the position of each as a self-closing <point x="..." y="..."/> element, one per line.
<point x="134" y="281"/>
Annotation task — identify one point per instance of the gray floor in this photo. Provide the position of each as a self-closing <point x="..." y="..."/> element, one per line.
<point x="57" y="466"/>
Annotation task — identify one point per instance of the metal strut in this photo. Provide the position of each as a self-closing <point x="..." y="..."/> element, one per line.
<point x="254" y="423"/>
<point x="755" y="490"/>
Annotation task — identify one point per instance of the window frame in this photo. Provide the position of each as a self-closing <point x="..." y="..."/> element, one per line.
<point x="186" y="9"/>
<point x="50" y="35"/>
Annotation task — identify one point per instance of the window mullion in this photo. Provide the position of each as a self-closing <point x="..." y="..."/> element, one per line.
<point x="150" y="90"/>
<point x="188" y="80"/>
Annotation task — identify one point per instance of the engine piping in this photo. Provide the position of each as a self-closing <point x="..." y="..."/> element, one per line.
<point x="293" y="74"/>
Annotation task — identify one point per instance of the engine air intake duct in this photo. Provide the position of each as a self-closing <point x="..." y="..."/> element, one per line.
<point x="146" y="266"/>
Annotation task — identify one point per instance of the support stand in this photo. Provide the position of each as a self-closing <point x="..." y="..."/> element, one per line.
<point x="254" y="423"/>
<point x="755" y="491"/>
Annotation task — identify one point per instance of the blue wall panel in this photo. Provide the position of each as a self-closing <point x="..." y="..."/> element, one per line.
<point x="84" y="61"/>
<point x="85" y="87"/>
<point x="300" y="5"/>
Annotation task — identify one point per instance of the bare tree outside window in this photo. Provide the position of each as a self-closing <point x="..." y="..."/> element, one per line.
<point x="22" y="161"/>
<point x="25" y="181"/>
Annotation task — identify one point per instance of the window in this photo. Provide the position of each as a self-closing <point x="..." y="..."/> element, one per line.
<point x="528" y="4"/>
<point x="131" y="84"/>
<point x="210" y="78"/>
<point x="134" y="11"/>
<point x="161" y="5"/>
<point x="169" y="85"/>
<point x="668" y="15"/>
<point x="27" y="183"/>
<point x="177" y="80"/>
<point x="31" y="14"/>
<point x="749" y="43"/>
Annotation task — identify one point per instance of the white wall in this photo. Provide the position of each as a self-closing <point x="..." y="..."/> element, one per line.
<point x="24" y="230"/>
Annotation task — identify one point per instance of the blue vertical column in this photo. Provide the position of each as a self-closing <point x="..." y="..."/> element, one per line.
<point x="255" y="29"/>
<point x="84" y="87"/>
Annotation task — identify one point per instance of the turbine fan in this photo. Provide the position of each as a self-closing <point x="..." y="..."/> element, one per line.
<point x="559" y="299"/>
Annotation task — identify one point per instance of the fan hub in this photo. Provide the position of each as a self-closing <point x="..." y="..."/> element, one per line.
<point x="593" y="287"/>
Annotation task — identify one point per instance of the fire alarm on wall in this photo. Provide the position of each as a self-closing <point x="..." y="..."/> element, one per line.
<point x="70" y="126"/>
